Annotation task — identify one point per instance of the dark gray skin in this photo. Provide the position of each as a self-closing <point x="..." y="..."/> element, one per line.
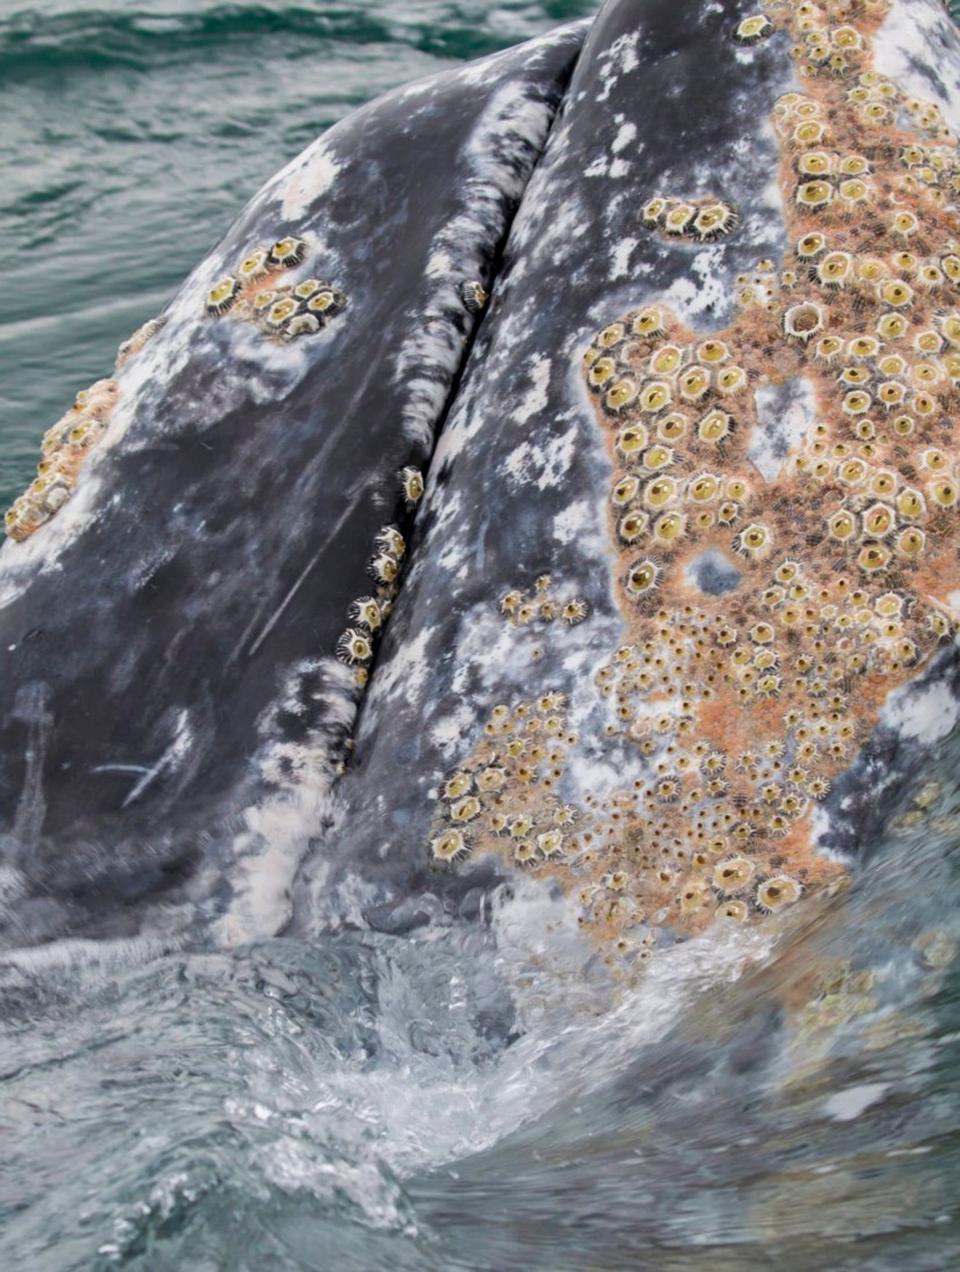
<point x="178" y="618"/>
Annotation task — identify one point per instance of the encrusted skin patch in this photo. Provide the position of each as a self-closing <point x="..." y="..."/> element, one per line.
<point x="255" y="293"/>
<point x="829" y="575"/>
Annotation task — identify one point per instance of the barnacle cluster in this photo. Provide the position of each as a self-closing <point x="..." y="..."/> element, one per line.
<point x="769" y="618"/>
<point x="255" y="292"/>
<point x="699" y="220"/>
<point x="367" y="614"/>
<point x="543" y="605"/>
<point x="504" y="799"/>
<point x="64" y="448"/>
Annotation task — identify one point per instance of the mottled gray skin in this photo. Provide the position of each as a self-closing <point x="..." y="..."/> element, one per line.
<point x="171" y="716"/>
<point x="167" y="639"/>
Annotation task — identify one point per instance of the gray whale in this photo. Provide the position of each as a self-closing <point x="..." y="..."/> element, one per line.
<point x="183" y="750"/>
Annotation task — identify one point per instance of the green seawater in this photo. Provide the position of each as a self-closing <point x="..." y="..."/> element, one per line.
<point x="131" y="134"/>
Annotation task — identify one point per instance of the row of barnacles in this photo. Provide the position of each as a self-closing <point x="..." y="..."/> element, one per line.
<point x="367" y="614"/>
<point x="699" y="220"/>
<point x="254" y="293"/>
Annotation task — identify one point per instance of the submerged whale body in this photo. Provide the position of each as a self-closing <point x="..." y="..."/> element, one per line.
<point x="519" y="569"/>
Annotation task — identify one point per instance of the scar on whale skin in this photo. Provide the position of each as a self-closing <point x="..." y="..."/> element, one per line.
<point x="744" y="703"/>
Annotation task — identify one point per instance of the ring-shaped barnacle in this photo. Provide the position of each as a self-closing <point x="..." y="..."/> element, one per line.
<point x="777" y="893"/>
<point x="754" y="542"/>
<point x="365" y="612"/>
<point x="411" y="485"/>
<point x="693" y="383"/>
<point x="809" y="133"/>
<point x="911" y="504"/>
<point x="713" y="352"/>
<point x="658" y="457"/>
<point x="389" y="539"/>
<point x="842" y="526"/>
<point x="891" y="326"/>
<point x="753" y="29"/>
<point x="896" y="293"/>
<point x="280" y="312"/>
<point x="810" y="246"/>
<point x="659" y="492"/>
<point x="642" y="579"/>
<point x="669" y="529"/>
<point x="910" y="543"/>
<point x="655" y="396"/>
<point x="703" y="488"/>
<point x="383" y="568"/>
<point x="713" y="221"/>
<point x="648" y="322"/>
<point x="733" y="874"/>
<point x="672" y="427"/>
<point x="930" y="276"/>
<point x="222" y="295"/>
<point x="575" y="611"/>
<point x="884" y="482"/>
<point x="625" y="490"/>
<point x="632" y="439"/>
<point x="448" y="846"/>
<point x="679" y="218"/>
<point x="301" y="325"/>
<point x="620" y="395"/>
<point x="354" y="646"/>
<point x="951" y="267"/>
<point x="878" y="521"/>
<point x="923" y="404"/>
<point x="944" y="492"/>
<point x="835" y="269"/>
<point x="715" y="427"/>
<point x="815" y="163"/>
<point x="473" y="295"/>
<point x="602" y="371"/>
<point x="853" y="191"/>
<point x="904" y="223"/>
<point x="856" y="402"/>
<point x="814" y="195"/>
<point x="730" y="380"/>
<point x="632" y="527"/>
<point x="863" y="347"/>
<point x="652" y="212"/>
<point x="891" y="393"/>
<point x="873" y="557"/>
<point x="666" y="360"/>
<point x="612" y="335"/>
<point x="803" y="320"/>
<point x="287" y="252"/>
<point x="254" y="265"/>
<point x="466" y="809"/>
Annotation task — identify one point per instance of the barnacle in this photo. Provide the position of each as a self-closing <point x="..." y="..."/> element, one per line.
<point x="411" y="485"/>
<point x="803" y="321"/>
<point x="287" y="252"/>
<point x="714" y="220"/>
<point x="753" y="29"/>
<point x="777" y="893"/>
<point x="473" y="295"/>
<point x="733" y="874"/>
<point x="254" y="265"/>
<point x="365" y="612"/>
<point x="448" y="846"/>
<point x="575" y="611"/>
<point x="642" y="578"/>
<point x="222" y="295"/>
<point x="354" y="646"/>
<point x="301" y="325"/>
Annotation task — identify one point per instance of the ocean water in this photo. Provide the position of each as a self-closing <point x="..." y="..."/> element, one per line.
<point x="131" y="134"/>
<point x="450" y="1100"/>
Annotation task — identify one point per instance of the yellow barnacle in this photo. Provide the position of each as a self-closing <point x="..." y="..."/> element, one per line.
<point x="620" y="394"/>
<point x="828" y="347"/>
<point x="853" y="166"/>
<point x="883" y="482"/>
<point x="611" y="336"/>
<point x="657" y="494"/>
<point x="814" y="194"/>
<point x="950" y="326"/>
<point x="753" y="29"/>
<point x="733" y="874"/>
<point x="910" y="543"/>
<point x="670" y="528"/>
<point x="891" y="393"/>
<point x="666" y="360"/>
<point x="944" y="492"/>
<point x="633" y="527"/>
<point x="896" y="293"/>
<point x="658" y="457"/>
<point x="655" y="396"/>
<point x="625" y="490"/>
<point x="703" y="488"/>
<point x="222" y="295"/>
<point x="911" y="504"/>
<point x="603" y="370"/>
<point x="713" y="220"/>
<point x="810" y="246"/>
<point x="632" y="439"/>
<point x="715" y="426"/>
<point x="873" y="557"/>
<point x="809" y="133"/>
<point x="448" y="846"/>
<point x="777" y="893"/>
<point x="693" y="383"/>
<point x="672" y="427"/>
<point x="652" y="211"/>
<point x="892" y="326"/>
<point x="642" y="578"/>
<point x="815" y="163"/>
<point x="835" y="269"/>
<point x="755" y="541"/>
<point x="648" y="322"/>
<point x="856" y="402"/>
<point x="904" y="223"/>
<point x="712" y="352"/>
<point x="852" y="472"/>
<point x="842" y="526"/>
<point x="878" y="520"/>
<point x="853" y="190"/>
<point x="951" y="267"/>
<point x="731" y="379"/>
<point x="678" y="218"/>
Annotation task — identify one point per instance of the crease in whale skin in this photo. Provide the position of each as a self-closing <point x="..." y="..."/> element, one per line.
<point x="517" y="723"/>
<point x="180" y="612"/>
